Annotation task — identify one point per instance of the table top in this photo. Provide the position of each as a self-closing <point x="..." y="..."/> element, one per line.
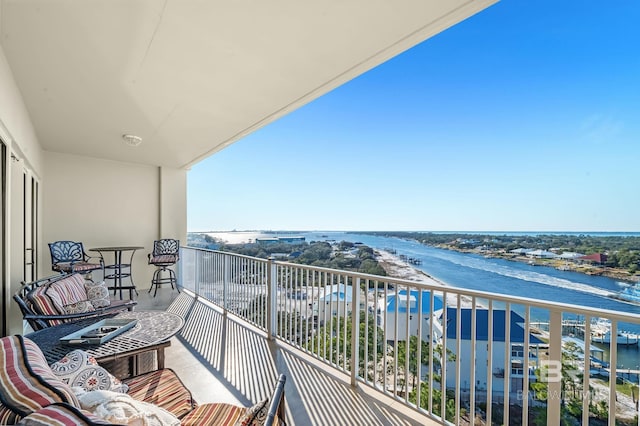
<point x="117" y="248"/>
<point x="152" y="327"/>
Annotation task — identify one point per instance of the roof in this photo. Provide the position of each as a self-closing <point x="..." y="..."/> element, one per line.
<point x="482" y="326"/>
<point x="595" y="257"/>
<point x="413" y="297"/>
<point x="336" y="293"/>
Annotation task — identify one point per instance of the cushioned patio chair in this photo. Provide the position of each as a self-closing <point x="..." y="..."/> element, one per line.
<point x="69" y="256"/>
<point x="166" y="253"/>
<point x="63" y="298"/>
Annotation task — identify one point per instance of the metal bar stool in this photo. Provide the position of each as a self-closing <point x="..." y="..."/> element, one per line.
<point x="166" y="253"/>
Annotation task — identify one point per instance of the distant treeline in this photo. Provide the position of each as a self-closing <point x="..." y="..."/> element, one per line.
<point x="347" y="255"/>
<point x="622" y="252"/>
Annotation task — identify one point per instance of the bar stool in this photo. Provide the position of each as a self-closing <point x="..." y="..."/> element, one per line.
<point x="166" y="253"/>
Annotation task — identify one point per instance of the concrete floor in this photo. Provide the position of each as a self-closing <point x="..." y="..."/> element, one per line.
<point x="222" y="358"/>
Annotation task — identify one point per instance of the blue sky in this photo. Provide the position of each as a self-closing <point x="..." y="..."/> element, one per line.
<point x="524" y="117"/>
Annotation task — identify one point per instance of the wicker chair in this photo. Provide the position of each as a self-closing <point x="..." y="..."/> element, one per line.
<point x="68" y="257"/>
<point x="166" y="253"/>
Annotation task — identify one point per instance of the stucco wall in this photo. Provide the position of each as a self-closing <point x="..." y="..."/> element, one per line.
<point x="173" y="204"/>
<point x="101" y="203"/>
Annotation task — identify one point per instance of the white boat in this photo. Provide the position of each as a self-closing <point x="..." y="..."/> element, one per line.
<point x="601" y="333"/>
<point x="631" y="294"/>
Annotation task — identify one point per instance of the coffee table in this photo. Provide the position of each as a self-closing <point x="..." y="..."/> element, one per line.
<point x="150" y="334"/>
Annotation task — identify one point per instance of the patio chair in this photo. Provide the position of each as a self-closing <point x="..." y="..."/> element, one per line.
<point x="166" y="253"/>
<point x="68" y="257"/>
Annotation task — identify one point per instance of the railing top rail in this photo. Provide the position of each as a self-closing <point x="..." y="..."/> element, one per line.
<point x="552" y="306"/>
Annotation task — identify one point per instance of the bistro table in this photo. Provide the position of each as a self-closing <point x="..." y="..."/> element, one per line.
<point x="118" y="270"/>
<point x="151" y="333"/>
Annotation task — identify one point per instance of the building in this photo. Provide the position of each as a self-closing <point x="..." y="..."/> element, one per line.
<point x="396" y="311"/>
<point x="279" y="240"/>
<point x="480" y="357"/>
<point x="335" y="300"/>
<point x="595" y="258"/>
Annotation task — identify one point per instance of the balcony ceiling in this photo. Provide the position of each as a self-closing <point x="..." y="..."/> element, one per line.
<point x="191" y="77"/>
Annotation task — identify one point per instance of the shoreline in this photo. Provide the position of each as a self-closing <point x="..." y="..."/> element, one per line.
<point x="563" y="265"/>
<point x="398" y="268"/>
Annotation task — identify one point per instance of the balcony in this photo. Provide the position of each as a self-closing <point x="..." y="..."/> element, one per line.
<point x="246" y="321"/>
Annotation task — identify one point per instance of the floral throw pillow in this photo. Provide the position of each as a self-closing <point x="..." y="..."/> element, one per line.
<point x="79" y="369"/>
<point x="255" y="415"/>
<point x="97" y="294"/>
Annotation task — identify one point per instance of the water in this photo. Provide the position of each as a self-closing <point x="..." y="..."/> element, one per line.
<point x="501" y="276"/>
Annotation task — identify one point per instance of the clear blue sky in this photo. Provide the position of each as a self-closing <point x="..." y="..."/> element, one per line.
<point x="524" y="117"/>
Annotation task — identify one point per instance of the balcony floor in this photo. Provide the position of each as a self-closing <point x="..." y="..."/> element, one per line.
<point x="222" y="358"/>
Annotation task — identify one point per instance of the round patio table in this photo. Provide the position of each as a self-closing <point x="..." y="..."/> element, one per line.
<point x="118" y="269"/>
<point x="151" y="333"/>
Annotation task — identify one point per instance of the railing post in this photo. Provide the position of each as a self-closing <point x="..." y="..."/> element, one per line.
<point x="554" y="380"/>
<point x="197" y="275"/>
<point x="272" y="291"/>
<point x="225" y="281"/>
<point x="355" y="330"/>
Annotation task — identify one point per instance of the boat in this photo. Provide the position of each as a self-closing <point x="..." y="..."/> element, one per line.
<point x="601" y="333"/>
<point x="631" y="294"/>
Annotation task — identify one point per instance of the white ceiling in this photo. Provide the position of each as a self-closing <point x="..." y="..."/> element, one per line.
<point x="191" y="77"/>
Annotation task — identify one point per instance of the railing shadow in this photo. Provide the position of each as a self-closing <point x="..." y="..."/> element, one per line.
<point x="246" y="363"/>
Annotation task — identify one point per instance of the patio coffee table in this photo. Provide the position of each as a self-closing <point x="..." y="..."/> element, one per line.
<point x="151" y="333"/>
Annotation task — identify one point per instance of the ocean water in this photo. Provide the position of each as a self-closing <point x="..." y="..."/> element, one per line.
<point x="501" y="276"/>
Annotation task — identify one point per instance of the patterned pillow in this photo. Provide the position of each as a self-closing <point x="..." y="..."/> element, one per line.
<point x="79" y="307"/>
<point x="79" y="369"/>
<point x="255" y="415"/>
<point x="97" y="294"/>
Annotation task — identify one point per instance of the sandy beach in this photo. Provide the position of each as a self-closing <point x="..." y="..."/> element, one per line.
<point x="397" y="268"/>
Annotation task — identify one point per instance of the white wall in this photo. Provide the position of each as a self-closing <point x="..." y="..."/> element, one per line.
<point x="107" y="203"/>
<point x="17" y="132"/>
<point x="173" y="204"/>
<point x="481" y="361"/>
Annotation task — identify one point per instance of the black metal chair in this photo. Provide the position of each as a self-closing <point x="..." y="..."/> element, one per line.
<point x="68" y="257"/>
<point x="166" y="253"/>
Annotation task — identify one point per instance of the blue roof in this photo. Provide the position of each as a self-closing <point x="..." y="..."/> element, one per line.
<point x="482" y="326"/>
<point x="413" y="304"/>
<point x="336" y="293"/>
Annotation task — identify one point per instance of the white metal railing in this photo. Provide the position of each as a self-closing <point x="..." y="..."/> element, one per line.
<point x="477" y="344"/>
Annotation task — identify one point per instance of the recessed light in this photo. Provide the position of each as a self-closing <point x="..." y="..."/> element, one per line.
<point x="132" y="140"/>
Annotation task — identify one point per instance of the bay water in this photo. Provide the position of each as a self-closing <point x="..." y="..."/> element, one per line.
<point x="472" y="271"/>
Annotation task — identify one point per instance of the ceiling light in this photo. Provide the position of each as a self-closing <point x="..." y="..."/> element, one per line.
<point x="132" y="140"/>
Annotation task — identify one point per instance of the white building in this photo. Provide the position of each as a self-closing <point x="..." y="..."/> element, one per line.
<point x="397" y="311"/>
<point x="515" y="363"/>
<point x="335" y="300"/>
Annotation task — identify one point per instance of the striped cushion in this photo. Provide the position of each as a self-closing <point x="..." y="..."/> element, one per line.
<point x="76" y="267"/>
<point x="61" y="415"/>
<point x="164" y="258"/>
<point x="67" y="291"/>
<point x="42" y="304"/>
<point x="7" y="417"/>
<point x="26" y="381"/>
<point x="214" y="414"/>
<point x="163" y="388"/>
